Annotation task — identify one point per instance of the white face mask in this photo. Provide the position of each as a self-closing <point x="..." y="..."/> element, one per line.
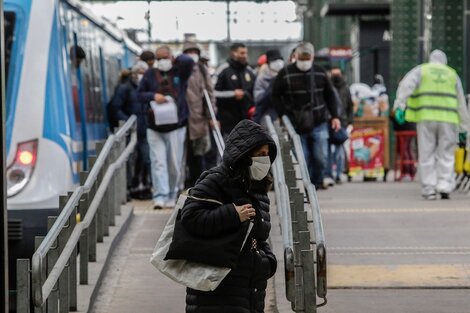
<point x="164" y="65"/>
<point x="304" y="65"/>
<point x="276" y="65"/>
<point x="260" y="167"/>
<point x="139" y="77"/>
<point x="194" y="56"/>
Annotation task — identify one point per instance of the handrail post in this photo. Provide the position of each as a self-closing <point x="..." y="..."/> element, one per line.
<point x="64" y="276"/>
<point x="99" y="212"/>
<point x="309" y="280"/>
<point x="23" y="297"/>
<point x="104" y="207"/>
<point x="73" y="265"/>
<point x="92" y="231"/>
<point x="123" y="173"/>
<point x="37" y="242"/>
<point x="52" y="256"/>
<point x="112" y="190"/>
<point x="84" y="238"/>
<point x="116" y="180"/>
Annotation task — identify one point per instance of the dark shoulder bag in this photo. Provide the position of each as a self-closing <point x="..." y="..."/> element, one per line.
<point x="222" y="250"/>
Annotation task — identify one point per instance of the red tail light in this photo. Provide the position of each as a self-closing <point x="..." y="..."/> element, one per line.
<point x="19" y="172"/>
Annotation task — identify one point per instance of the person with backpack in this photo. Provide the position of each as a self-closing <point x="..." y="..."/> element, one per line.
<point x="303" y="92"/>
<point x="199" y="120"/>
<point x="163" y="91"/>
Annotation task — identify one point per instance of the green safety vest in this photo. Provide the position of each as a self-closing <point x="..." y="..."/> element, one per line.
<point x="436" y="97"/>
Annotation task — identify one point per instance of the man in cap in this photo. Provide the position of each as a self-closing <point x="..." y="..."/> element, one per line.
<point x="432" y="96"/>
<point x="303" y="92"/>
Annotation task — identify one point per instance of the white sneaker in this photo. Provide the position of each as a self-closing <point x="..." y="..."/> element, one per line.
<point x="158" y="205"/>
<point x="328" y="181"/>
<point x="431" y="196"/>
<point x="170" y="204"/>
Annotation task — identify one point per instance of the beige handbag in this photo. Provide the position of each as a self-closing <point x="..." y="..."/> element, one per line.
<point x="190" y="274"/>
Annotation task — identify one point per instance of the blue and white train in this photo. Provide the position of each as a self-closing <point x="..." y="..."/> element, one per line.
<point x="55" y="108"/>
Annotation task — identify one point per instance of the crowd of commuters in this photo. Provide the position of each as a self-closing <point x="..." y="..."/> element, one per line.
<point x="172" y="153"/>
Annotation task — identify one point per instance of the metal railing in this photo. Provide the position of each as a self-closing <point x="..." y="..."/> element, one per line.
<point x="284" y="212"/>
<point x="98" y="200"/>
<point x="314" y="208"/>
<point x="305" y="271"/>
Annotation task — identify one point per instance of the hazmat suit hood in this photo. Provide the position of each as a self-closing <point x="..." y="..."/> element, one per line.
<point x="438" y="56"/>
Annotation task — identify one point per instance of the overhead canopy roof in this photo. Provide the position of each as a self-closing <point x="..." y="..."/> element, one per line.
<point x="348" y="9"/>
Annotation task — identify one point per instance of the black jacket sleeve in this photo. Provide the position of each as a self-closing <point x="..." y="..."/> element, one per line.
<point x="144" y="91"/>
<point x="278" y="91"/>
<point x="330" y="98"/>
<point x="349" y="106"/>
<point x="119" y="103"/>
<point x="205" y="218"/>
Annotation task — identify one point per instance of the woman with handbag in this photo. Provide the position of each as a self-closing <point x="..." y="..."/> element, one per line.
<point x="241" y="183"/>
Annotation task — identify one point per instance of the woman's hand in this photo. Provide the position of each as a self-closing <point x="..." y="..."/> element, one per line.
<point x="245" y="212"/>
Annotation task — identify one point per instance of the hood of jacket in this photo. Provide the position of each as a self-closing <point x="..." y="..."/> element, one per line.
<point x="244" y="138"/>
<point x="438" y="56"/>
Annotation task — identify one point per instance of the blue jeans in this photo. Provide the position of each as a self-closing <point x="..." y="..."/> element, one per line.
<point x="166" y="162"/>
<point x="336" y="156"/>
<point x="315" y="146"/>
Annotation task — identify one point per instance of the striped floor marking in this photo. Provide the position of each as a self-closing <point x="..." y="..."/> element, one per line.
<point x="396" y="210"/>
<point x="396" y="276"/>
<point x="399" y="250"/>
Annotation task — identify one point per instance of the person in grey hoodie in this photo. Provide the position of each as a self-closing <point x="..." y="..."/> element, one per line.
<point x="263" y="85"/>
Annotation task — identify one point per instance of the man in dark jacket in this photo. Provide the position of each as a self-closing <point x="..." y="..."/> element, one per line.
<point x="308" y="111"/>
<point x="346" y="115"/>
<point x="244" y="196"/>
<point x="234" y="88"/>
<point x="125" y="103"/>
<point x="165" y="86"/>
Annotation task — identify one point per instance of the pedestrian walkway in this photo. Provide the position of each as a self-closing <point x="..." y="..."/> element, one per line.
<point x="131" y="283"/>
<point x="389" y="251"/>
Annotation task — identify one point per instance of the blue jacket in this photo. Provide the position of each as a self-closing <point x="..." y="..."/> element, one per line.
<point x="125" y="103"/>
<point x="149" y="86"/>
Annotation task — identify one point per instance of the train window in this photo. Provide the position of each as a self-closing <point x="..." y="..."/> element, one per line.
<point x="10" y="21"/>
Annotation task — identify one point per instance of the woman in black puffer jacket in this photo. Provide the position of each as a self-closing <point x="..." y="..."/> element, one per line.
<point x="241" y="183"/>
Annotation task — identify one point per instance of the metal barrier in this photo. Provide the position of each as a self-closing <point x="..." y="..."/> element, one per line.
<point x="284" y="212"/>
<point x="98" y="200"/>
<point x="305" y="271"/>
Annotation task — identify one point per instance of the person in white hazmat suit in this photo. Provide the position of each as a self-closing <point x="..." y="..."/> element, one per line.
<point x="431" y="95"/>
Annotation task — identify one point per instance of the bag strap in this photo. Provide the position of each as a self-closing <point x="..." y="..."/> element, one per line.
<point x="289" y="86"/>
<point x="313" y="86"/>
<point x="186" y="193"/>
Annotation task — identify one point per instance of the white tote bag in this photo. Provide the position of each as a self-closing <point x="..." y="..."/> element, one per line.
<point x="190" y="274"/>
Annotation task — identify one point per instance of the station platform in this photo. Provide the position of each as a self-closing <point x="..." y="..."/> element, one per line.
<point x="388" y="251"/>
